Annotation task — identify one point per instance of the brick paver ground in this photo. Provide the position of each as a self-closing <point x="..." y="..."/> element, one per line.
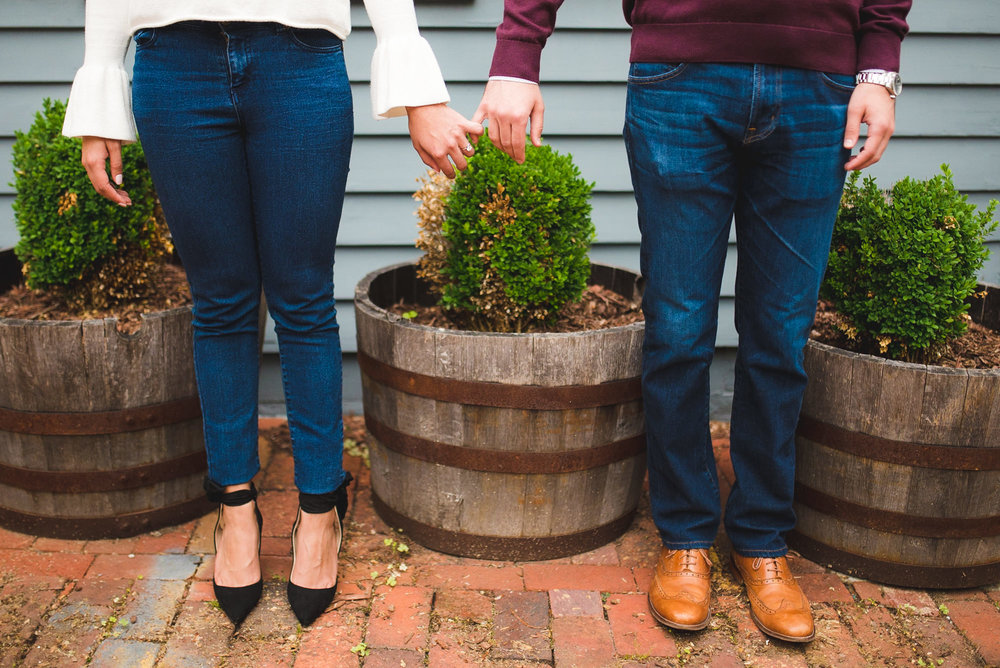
<point x="148" y="601"/>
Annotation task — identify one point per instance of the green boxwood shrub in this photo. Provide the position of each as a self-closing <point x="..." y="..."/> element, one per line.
<point x="903" y="264"/>
<point x="507" y="244"/>
<point x="73" y="242"/>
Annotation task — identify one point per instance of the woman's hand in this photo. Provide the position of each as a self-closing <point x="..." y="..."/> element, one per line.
<point x="97" y="152"/>
<point x="438" y="132"/>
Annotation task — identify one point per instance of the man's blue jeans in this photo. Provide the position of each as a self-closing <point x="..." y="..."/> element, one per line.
<point x="247" y="129"/>
<point x="707" y="142"/>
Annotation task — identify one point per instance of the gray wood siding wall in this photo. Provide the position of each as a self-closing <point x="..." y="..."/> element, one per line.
<point x="949" y="112"/>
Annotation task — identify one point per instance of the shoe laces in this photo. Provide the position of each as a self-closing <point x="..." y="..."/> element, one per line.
<point x="689" y="559"/>
<point x="773" y="569"/>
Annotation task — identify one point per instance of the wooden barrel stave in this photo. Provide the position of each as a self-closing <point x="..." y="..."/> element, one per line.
<point x="955" y="553"/>
<point x="922" y="492"/>
<point x="519" y="505"/>
<point x="916" y="450"/>
<point x="492" y="429"/>
<point x="101" y="452"/>
<point x="498" y="513"/>
<point x="103" y="504"/>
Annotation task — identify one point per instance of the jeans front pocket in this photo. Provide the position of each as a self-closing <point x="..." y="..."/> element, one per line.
<point x="144" y="37"/>
<point x="316" y="39"/>
<point x="650" y="73"/>
<point x="841" y="82"/>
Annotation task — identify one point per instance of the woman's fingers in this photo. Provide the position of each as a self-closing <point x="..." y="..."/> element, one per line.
<point x="96" y="154"/>
<point x="440" y="136"/>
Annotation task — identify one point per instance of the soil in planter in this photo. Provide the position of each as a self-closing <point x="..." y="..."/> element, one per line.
<point x="599" y="308"/>
<point x="172" y="292"/>
<point x="979" y="348"/>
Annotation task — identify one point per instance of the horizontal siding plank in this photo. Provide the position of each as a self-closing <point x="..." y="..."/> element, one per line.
<point x="571" y="55"/>
<point x="388" y="219"/>
<point x="595" y="109"/>
<point x="927" y="16"/>
<point x="389" y="164"/>
<point x="599" y="109"/>
<point x="391" y="219"/>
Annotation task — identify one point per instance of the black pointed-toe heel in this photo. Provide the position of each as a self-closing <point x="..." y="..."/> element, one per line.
<point x="308" y="604"/>
<point x="236" y="602"/>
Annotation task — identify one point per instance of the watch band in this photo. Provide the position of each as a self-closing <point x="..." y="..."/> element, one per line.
<point x="889" y="80"/>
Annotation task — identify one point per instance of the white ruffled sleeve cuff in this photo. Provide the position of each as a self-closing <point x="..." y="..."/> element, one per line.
<point x="405" y="73"/>
<point x="100" y="104"/>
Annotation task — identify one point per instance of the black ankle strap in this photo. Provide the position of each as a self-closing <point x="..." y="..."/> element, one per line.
<point x="217" y="494"/>
<point x="324" y="503"/>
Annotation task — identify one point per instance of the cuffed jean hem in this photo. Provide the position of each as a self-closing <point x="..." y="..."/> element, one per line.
<point x="761" y="553"/>
<point x="696" y="545"/>
<point x="323" y="488"/>
<point x="226" y="483"/>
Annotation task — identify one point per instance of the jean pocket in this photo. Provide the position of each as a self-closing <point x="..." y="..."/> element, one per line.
<point x="648" y="73"/>
<point x="316" y="39"/>
<point x="144" y="37"/>
<point x="841" y="82"/>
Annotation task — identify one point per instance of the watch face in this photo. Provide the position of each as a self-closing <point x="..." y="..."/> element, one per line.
<point x="896" y="83"/>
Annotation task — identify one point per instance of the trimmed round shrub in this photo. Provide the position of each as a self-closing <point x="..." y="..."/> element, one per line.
<point x="73" y="242"/>
<point x="903" y="264"/>
<point x="507" y="244"/>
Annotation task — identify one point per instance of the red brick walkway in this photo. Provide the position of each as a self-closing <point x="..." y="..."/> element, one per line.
<point x="148" y="601"/>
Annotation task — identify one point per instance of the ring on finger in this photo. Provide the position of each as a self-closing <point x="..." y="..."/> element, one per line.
<point x="466" y="148"/>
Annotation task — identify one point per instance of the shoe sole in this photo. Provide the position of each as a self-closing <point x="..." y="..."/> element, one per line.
<point x="757" y="622"/>
<point x="674" y="625"/>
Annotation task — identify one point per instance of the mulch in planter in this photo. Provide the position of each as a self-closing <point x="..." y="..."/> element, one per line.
<point x="979" y="348"/>
<point x="599" y="308"/>
<point x="172" y="291"/>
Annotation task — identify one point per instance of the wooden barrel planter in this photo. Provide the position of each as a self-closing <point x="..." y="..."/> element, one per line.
<point x="100" y="432"/>
<point x="898" y="467"/>
<point x="500" y="446"/>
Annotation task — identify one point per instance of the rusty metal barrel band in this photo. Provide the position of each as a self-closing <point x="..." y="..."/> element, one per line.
<point x="501" y="395"/>
<point x="944" y="457"/>
<point x="894" y="572"/>
<point x="100" y="422"/>
<point x="503" y="461"/>
<point x="95" y="528"/>
<point x="82" y="482"/>
<point x="894" y="522"/>
<point x="527" y="548"/>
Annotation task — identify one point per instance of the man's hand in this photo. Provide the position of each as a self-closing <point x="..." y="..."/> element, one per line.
<point x="508" y="106"/>
<point x="870" y="104"/>
<point x="97" y="153"/>
<point x="439" y="132"/>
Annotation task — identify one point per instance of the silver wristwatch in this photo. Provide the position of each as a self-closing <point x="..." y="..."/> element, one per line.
<point x="890" y="80"/>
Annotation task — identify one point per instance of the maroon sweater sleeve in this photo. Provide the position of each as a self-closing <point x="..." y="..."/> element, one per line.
<point x="526" y="26"/>
<point x="883" y="26"/>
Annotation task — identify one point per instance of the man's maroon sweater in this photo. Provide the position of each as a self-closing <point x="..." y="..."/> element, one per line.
<point x="842" y="36"/>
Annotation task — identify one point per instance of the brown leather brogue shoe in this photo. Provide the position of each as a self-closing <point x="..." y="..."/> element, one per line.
<point x="777" y="605"/>
<point x="680" y="591"/>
